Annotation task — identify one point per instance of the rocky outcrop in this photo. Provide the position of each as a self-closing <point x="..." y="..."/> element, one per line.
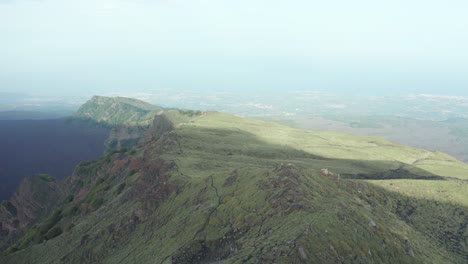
<point x="8" y="220"/>
<point x="408" y="248"/>
<point x="124" y="137"/>
<point x="32" y="201"/>
<point x="161" y="125"/>
<point x="34" y="197"/>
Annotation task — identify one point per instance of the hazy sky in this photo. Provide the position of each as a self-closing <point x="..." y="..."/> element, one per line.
<point x="365" y="46"/>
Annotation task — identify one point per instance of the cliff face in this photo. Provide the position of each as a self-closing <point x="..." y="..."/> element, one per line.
<point x="32" y="201"/>
<point x="8" y="220"/>
<point x="161" y="125"/>
<point x="123" y="137"/>
<point x="126" y="137"/>
<point x="34" y="198"/>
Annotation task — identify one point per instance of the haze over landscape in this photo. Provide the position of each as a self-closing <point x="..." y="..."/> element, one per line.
<point x="141" y="131"/>
<point x="365" y="47"/>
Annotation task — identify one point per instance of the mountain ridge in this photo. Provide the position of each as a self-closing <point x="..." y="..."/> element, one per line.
<point x="216" y="188"/>
<point x="114" y="111"/>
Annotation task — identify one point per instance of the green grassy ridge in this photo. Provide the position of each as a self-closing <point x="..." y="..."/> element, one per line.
<point x="450" y="191"/>
<point x="129" y="119"/>
<point x="122" y="111"/>
<point x="250" y="191"/>
<point x="338" y="146"/>
<point x="320" y="163"/>
<point x="214" y="229"/>
<point x="115" y="111"/>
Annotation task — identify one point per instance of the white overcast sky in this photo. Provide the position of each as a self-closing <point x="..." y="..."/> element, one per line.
<point x="365" y="46"/>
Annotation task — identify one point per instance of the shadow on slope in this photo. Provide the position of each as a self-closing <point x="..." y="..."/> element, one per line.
<point x="237" y="144"/>
<point x="232" y="197"/>
<point x="400" y="173"/>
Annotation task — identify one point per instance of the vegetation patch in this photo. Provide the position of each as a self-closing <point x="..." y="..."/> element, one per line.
<point x="9" y="207"/>
<point x="46" y="177"/>
<point x="54" y="232"/>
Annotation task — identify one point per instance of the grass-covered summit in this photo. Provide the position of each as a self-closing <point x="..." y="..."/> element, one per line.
<point x="114" y="111"/>
<point x="217" y="188"/>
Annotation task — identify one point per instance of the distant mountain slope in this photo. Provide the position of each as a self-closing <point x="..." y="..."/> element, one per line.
<point x="128" y="118"/>
<point x="217" y="188"/>
<point x="117" y="111"/>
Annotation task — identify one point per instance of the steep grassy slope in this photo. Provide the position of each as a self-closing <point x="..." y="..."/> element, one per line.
<point x="216" y="188"/>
